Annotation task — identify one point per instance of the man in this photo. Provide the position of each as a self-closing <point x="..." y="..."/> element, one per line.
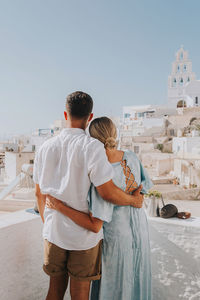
<point x="65" y="166"/>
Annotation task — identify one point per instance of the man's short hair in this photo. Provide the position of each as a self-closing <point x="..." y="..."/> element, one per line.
<point x="79" y="105"/>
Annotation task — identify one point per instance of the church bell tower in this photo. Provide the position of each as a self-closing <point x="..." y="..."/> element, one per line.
<point x="180" y="76"/>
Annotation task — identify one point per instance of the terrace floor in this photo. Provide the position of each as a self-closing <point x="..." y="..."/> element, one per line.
<point x="175" y="248"/>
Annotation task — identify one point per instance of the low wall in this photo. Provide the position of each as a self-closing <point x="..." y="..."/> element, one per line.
<point x="189" y="194"/>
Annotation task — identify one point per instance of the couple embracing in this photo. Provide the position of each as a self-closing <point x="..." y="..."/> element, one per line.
<point x="90" y="198"/>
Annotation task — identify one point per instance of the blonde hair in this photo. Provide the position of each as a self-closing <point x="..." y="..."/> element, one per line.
<point x="105" y="131"/>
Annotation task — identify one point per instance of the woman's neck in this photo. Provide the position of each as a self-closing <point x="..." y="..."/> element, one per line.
<point x="114" y="155"/>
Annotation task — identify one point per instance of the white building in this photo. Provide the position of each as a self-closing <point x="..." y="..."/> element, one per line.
<point x="134" y="113"/>
<point x="138" y="144"/>
<point x="10" y="147"/>
<point x="14" y="162"/>
<point x="42" y="134"/>
<point x="187" y="161"/>
<point x="185" y="145"/>
<point x="144" y="120"/>
<point x="183" y="88"/>
<point x="137" y="119"/>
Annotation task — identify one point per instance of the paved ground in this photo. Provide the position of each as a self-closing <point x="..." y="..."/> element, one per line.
<point x="12" y="205"/>
<point x="187" y="205"/>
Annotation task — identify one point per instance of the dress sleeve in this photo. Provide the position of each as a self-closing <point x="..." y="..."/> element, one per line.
<point x="99" y="208"/>
<point x="145" y="179"/>
<point x="100" y="170"/>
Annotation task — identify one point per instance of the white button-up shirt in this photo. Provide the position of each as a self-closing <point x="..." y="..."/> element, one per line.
<point x="64" y="167"/>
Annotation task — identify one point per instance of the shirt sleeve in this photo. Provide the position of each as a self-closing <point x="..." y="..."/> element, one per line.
<point x="36" y="169"/>
<point x="99" y="208"/>
<point x="99" y="169"/>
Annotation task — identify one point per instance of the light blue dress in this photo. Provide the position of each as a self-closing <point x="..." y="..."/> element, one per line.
<point x="126" y="264"/>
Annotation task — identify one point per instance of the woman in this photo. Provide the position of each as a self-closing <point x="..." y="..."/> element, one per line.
<point x="126" y="270"/>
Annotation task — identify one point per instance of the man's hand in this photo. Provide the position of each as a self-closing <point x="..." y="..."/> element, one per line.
<point x="52" y="202"/>
<point x="138" y="198"/>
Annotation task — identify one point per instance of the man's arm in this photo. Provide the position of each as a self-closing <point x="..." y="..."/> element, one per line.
<point x="41" y="200"/>
<point x="111" y="193"/>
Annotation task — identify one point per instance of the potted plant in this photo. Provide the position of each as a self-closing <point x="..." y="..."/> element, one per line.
<point x="153" y="205"/>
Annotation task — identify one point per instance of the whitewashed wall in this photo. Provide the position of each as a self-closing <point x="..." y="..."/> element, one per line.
<point x="14" y="162"/>
<point x="164" y="166"/>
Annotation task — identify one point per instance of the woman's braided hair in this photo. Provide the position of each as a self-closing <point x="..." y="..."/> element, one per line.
<point x="105" y="131"/>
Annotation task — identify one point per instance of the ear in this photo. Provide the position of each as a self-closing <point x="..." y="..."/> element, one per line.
<point x="65" y="115"/>
<point x="90" y="117"/>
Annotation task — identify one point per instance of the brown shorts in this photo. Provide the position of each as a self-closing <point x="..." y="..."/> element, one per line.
<point x="78" y="264"/>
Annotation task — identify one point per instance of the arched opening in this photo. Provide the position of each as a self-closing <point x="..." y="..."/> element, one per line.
<point x="181" y="103"/>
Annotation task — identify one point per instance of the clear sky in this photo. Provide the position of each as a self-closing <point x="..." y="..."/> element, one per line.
<point x="119" y="51"/>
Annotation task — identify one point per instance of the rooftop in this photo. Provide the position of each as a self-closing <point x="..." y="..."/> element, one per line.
<point x="175" y="257"/>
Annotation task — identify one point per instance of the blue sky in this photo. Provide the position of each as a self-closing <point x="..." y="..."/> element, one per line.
<point x="119" y="51"/>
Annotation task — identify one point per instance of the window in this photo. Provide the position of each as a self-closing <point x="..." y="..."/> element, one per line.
<point x="188" y="79"/>
<point x="178" y="68"/>
<point x="181" y="81"/>
<point x="196" y="101"/>
<point x="181" y="103"/>
<point x="185" y="68"/>
<point x="174" y="82"/>
<point x="127" y="115"/>
<point x="181" y="56"/>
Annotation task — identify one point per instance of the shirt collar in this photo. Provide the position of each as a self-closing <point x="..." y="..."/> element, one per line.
<point x="72" y="131"/>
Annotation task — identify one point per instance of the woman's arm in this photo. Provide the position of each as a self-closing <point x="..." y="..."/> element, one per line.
<point x="80" y="218"/>
<point x="112" y="193"/>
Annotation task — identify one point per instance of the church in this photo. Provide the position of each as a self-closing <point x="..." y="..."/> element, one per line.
<point x="183" y="88"/>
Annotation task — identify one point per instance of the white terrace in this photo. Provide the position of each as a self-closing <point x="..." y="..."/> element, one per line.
<point x="175" y="248"/>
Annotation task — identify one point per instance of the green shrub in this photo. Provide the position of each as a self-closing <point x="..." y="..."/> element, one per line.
<point x="159" y="147"/>
<point x="155" y="194"/>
